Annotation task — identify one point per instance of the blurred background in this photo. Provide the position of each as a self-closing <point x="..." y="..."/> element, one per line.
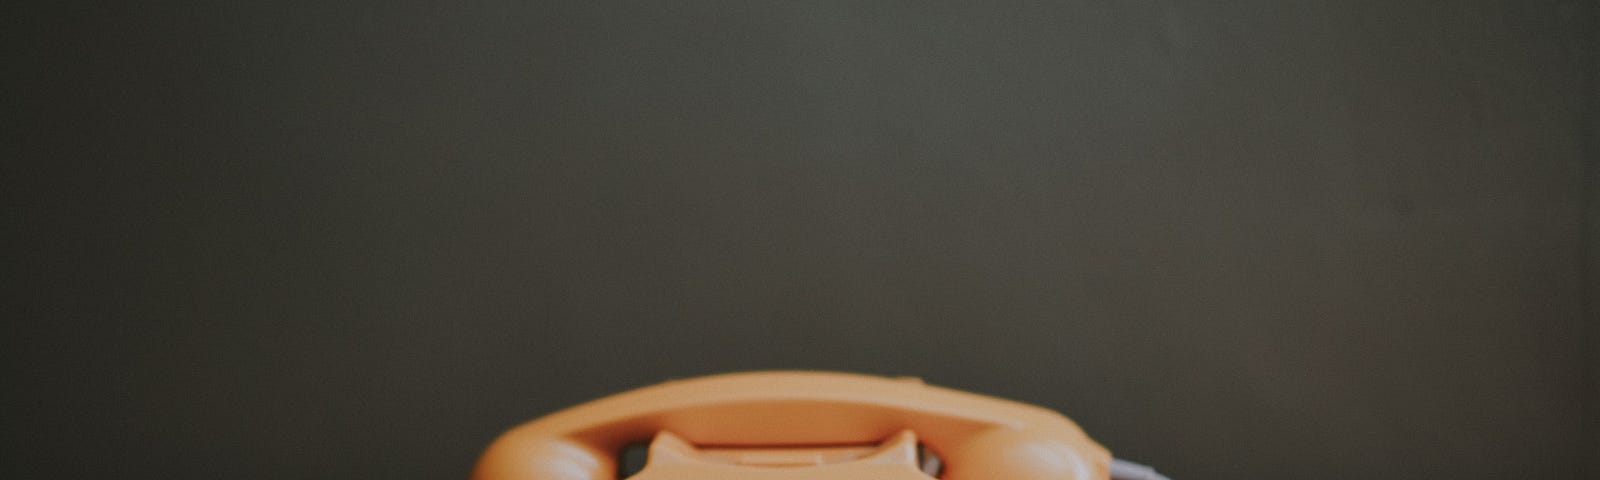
<point x="1313" y="240"/>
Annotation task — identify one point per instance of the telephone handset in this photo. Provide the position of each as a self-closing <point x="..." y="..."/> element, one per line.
<point x="798" y="426"/>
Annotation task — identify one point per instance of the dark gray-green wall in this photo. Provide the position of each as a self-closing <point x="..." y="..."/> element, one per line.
<point x="1318" y="240"/>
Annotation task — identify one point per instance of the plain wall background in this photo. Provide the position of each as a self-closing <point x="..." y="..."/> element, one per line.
<point x="1315" y="240"/>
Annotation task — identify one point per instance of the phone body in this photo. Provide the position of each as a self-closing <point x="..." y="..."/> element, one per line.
<point x="799" y="426"/>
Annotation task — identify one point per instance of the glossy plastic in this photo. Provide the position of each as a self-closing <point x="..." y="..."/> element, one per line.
<point x="798" y="426"/>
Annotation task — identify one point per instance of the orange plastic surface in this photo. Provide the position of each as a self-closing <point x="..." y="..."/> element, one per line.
<point x="798" y="426"/>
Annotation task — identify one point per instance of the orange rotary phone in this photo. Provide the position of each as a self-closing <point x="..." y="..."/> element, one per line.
<point x="803" y="426"/>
